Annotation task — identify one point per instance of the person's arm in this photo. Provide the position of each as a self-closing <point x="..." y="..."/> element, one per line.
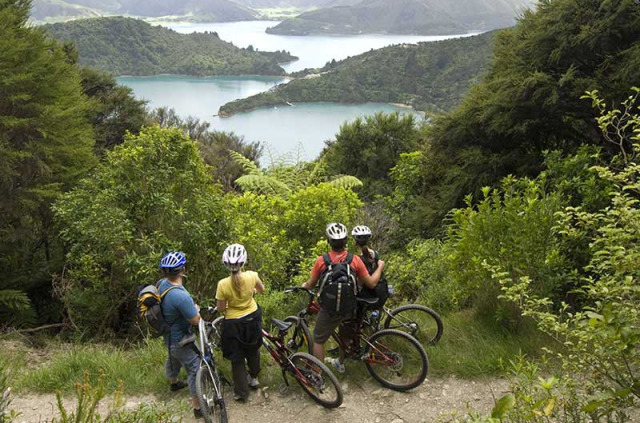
<point x="221" y="306"/>
<point x="189" y="310"/>
<point x="316" y="271"/>
<point x="371" y="281"/>
<point x="311" y="282"/>
<point x="259" y="289"/>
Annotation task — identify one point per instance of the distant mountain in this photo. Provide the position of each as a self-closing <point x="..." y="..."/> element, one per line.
<point x="431" y="76"/>
<point x="126" y="46"/>
<point x="204" y="10"/>
<point x="302" y="4"/>
<point x="428" y="17"/>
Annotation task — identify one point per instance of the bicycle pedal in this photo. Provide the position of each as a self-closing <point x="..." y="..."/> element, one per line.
<point x="283" y="388"/>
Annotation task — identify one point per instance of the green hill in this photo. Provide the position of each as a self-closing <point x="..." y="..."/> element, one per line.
<point x="202" y="10"/>
<point x="428" y="17"/>
<point x="428" y="76"/>
<point x="125" y="46"/>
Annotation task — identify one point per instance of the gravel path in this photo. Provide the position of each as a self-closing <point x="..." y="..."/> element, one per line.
<point x="364" y="402"/>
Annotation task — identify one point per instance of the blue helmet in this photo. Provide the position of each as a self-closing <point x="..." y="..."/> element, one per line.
<point x="173" y="262"/>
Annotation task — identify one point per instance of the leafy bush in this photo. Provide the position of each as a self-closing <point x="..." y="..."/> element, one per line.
<point x="151" y="195"/>
<point x="6" y="415"/>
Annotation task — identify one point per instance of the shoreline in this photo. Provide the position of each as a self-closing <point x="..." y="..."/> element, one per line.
<point x="225" y="114"/>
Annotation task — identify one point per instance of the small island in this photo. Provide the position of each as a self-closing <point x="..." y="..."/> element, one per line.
<point x="126" y="46"/>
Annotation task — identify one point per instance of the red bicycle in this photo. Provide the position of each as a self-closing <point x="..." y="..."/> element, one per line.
<point x="312" y="375"/>
<point x="394" y="358"/>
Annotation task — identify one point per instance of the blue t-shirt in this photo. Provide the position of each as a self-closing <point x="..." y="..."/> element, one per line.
<point x="177" y="308"/>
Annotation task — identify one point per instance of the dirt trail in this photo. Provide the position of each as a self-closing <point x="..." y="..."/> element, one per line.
<point x="366" y="402"/>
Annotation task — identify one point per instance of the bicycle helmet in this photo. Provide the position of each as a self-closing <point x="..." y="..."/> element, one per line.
<point x="173" y="263"/>
<point x="336" y="235"/>
<point x="234" y="257"/>
<point x="361" y="234"/>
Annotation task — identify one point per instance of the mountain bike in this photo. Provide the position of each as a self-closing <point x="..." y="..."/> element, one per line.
<point x="394" y="358"/>
<point x="422" y="322"/>
<point x="312" y="375"/>
<point x="209" y="387"/>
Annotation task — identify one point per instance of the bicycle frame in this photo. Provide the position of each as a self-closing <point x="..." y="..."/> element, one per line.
<point x="280" y="353"/>
<point x="354" y="347"/>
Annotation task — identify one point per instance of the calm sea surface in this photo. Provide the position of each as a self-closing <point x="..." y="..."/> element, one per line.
<point x="283" y="129"/>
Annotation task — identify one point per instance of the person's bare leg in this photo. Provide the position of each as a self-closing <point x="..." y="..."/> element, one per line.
<point x="195" y="403"/>
<point x="318" y="351"/>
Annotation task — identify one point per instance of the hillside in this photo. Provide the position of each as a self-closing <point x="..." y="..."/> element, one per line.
<point x="202" y="10"/>
<point x="125" y="46"/>
<point x="427" y="17"/>
<point x="428" y="76"/>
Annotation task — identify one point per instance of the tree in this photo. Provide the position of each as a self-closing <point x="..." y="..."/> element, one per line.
<point x="530" y="100"/>
<point x="150" y="195"/>
<point x="114" y="109"/>
<point x="368" y="148"/>
<point x="46" y="144"/>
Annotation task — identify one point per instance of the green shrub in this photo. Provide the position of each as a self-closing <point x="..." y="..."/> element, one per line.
<point x="152" y="194"/>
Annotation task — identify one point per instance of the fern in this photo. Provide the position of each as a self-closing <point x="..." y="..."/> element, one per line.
<point x="249" y="167"/>
<point x="15" y="308"/>
<point x="345" y="181"/>
<point x="263" y="184"/>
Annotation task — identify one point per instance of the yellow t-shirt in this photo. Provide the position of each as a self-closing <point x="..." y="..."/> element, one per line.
<point x="239" y="303"/>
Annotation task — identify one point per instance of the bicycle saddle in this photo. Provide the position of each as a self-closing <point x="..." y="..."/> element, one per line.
<point x="283" y="326"/>
<point x="368" y="301"/>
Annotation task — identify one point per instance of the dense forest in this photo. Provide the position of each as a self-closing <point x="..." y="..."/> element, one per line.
<point x="432" y="76"/>
<point x="516" y="215"/>
<point x="428" y="17"/>
<point x="125" y="46"/>
<point x="207" y="11"/>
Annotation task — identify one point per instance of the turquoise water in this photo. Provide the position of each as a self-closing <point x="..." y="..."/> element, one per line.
<point x="313" y="50"/>
<point x="283" y="129"/>
<point x="303" y="127"/>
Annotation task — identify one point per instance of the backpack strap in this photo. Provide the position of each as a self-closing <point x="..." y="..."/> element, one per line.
<point x="328" y="265"/>
<point x="327" y="260"/>
<point x="166" y="291"/>
<point x="349" y="258"/>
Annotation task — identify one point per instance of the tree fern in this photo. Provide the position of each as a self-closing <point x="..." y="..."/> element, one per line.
<point x="263" y="184"/>
<point x="249" y="166"/>
<point x="15" y="308"/>
<point x="345" y="181"/>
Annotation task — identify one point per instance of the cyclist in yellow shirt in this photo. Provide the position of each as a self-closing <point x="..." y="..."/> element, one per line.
<point x="242" y="325"/>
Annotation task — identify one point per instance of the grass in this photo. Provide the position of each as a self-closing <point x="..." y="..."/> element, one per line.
<point x="470" y="348"/>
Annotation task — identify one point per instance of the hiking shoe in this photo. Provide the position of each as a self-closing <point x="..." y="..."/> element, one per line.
<point x="335" y="362"/>
<point x="181" y="384"/>
<point x="253" y="382"/>
<point x="239" y="398"/>
<point x="197" y="413"/>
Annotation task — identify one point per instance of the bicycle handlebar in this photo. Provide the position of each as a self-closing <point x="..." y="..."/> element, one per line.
<point x="299" y="288"/>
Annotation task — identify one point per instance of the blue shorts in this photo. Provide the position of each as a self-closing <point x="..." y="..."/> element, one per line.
<point x="186" y="357"/>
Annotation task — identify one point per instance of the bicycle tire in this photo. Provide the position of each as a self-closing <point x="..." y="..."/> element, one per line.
<point x="209" y="406"/>
<point x="311" y="374"/>
<point x="397" y="346"/>
<point x="419" y="321"/>
<point x="300" y="338"/>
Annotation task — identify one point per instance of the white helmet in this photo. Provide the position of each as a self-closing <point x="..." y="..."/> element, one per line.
<point x="336" y="231"/>
<point x="361" y="231"/>
<point x="234" y="257"/>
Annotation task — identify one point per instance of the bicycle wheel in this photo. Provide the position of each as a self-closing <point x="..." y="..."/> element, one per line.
<point x="421" y="322"/>
<point x="396" y="360"/>
<point x="298" y="338"/>
<point x="316" y="380"/>
<point x="210" y="395"/>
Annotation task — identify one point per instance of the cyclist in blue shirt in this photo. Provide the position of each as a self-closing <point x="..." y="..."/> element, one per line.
<point x="181" y="313"/>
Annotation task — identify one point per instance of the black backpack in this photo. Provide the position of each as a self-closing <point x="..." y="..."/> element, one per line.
<point x="338" y="287"/>
<point x="381" y="291"/>
<point x="150" y="309"/>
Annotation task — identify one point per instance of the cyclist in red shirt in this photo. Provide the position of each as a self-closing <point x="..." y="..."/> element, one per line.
<point x="325" y="322"/>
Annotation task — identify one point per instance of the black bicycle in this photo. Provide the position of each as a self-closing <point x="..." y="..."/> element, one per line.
<point x="421" y="322"/>
<point x="394" y="358"/>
